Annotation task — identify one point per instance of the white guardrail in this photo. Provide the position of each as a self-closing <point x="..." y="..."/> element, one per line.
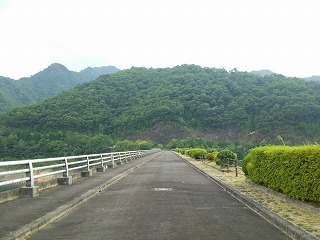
<point x="27" y="172"/>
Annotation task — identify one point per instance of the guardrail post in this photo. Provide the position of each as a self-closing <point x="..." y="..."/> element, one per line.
<point x="88" y="172"/>
<point x="119" y="162"/>
<point x="227" y="164"/>
<point x="125" y="160"/>
<point x="29" y="190"/>
<point x="236" y="163"/>
<point x="66" y="179"/>
<point x="128" y="156"/>
<point x="30" y="174"/>
<point x="111" y="164"/>
<point x="102" y="168"/>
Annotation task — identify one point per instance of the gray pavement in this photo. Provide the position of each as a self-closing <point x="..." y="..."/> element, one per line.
<point x="22" y="216"/>
<point x="163" y="199"/>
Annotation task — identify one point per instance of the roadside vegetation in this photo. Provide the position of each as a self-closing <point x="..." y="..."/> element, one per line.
<point x="293" y="171"/>
<point x="222" y="158"/>
<point x="25" y="144"/>
<point x="305" y="215"/>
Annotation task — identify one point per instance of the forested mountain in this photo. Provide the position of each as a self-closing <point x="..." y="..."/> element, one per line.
<point x="11" y="95"/>
<point x="263" y="72"/>
<point x="313" y="78"/>
<point x="268" y="72"/>
<point x="47" y="83"/>
<point x="161" y="104"/>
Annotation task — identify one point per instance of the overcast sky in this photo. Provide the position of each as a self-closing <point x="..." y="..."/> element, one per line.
<point x="280" y="35"/>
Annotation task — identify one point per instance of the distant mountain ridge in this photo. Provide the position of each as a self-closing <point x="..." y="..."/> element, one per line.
<point x="313" y="78"/>
<point x="263" y="72"/>
<point x="47" y="83"/>
<point x="266" y="72"/>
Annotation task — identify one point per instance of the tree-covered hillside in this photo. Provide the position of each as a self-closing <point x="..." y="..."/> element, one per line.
<point x="263" y="72"/>
<point x="47" y="83"/>
<point x="208" y="102"/>
<point x="11" y="95"/>
<point x="313" y="78"/>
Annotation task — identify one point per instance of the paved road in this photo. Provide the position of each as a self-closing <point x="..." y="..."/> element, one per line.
<point x="164" y="199"/>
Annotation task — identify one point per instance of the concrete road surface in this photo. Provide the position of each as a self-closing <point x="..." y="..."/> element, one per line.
<point x="164" y="199"/>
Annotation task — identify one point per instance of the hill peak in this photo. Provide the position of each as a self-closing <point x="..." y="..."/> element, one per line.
<point x="263" y="72"/>
<point x="56" y="67"/>
<point x="100" y="70"/>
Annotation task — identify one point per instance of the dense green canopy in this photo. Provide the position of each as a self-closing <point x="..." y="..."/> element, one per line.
<point x="206" y="102"/>
<point x="51" y="81"/>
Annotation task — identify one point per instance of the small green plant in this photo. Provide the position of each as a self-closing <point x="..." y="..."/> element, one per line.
<point x="211" y="156"/>
<point x="226" y="156"/>
<point x="197" y="152"/>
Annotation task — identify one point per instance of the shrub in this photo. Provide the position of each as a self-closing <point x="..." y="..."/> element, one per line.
<point x="181" y="150"/>
<point x="197" y="152"/>
<point x="211" y="156"/>
<point x="295" y="171"/>
<point x="245" y="162"/>
<point x="213" y="150"/>
<point x="224" y="155"/>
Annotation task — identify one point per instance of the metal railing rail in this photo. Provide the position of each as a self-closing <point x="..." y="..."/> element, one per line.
<point x="27" y="171"/>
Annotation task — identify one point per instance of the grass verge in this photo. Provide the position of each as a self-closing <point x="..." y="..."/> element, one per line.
<point x="296" y="212"/>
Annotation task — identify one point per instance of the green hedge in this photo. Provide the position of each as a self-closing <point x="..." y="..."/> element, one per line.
<point x="197" y="152"/>
<point x="192" y="152"/>
<point x="211" y="156"/>
<point x="295" y="171"/>
<point x="181" y="150"/>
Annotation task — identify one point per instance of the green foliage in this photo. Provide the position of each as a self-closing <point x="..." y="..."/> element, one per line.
<point x="197" y="152"/>
<point x="47" y="83"/>
<point x="194" y="98"/>
<point x="240" y="148"/>
<point x="205" y="101"/>
<point x="183" y="151"/>
<point x="211" y="156"/>
<point x="295" y="171"/>
<point x="190" y="142"/>
<point x="126" y="145"/>
<point x="245" y="162"/>
<point x="226" y="156"/>
<point x="213" y="150"/>
<point x="16" y="145"/>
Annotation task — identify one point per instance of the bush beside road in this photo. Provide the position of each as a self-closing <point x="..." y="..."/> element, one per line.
<point x="306" y="218"/>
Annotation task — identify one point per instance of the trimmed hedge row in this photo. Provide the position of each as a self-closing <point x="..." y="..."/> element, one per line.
<point x="192" y="152"/>
<point x="295" y="171"/>
<point x="221" y="158"/>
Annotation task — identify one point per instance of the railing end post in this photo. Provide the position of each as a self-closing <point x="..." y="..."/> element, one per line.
<point x="65" y="180"/>
<point x="30" y="175"/>
<point x="29" y="191"/>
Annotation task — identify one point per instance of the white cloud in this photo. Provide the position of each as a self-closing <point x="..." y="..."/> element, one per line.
<point x="247" y="35"/>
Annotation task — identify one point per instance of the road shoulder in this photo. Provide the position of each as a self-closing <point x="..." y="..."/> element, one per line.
<point x="296" y="221"/>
